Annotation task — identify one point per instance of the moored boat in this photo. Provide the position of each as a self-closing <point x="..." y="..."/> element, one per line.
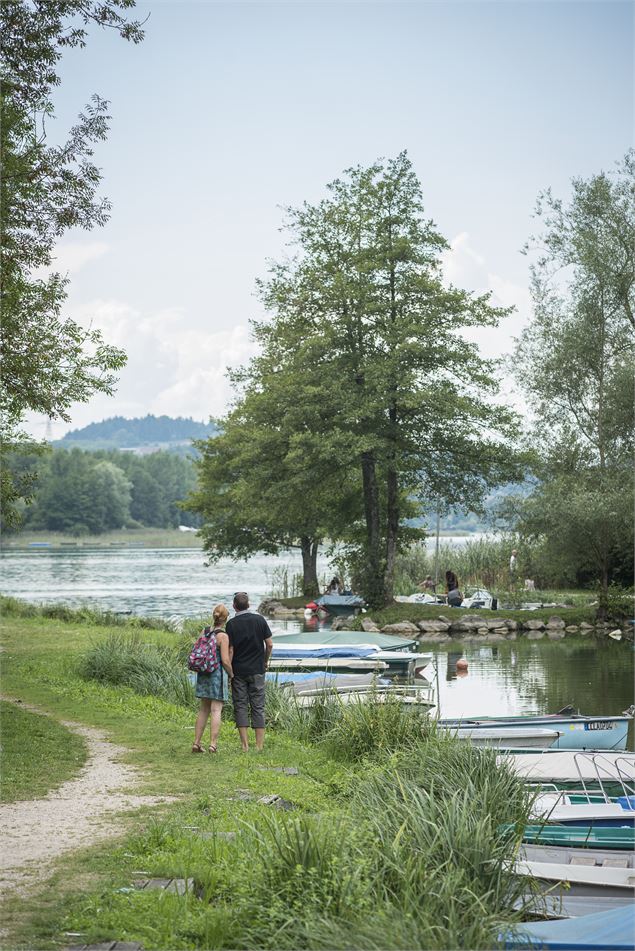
<point x="566" y="768"/>
<point x="567" y="809"/>
<point x="348" y="663"/>
<point x="407" y="663"/>
<point x="602" y="931"/>
<point x="582" y="837"/>
<point x="577" y="731"/>
<point x="592" y="872"/>
<point x="511" y="738"/>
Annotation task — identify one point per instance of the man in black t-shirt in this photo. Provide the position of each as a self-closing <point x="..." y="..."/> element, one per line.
<point x="251" y="644"/>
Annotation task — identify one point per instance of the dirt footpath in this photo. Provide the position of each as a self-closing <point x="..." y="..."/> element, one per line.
<point x="79" y="813"/>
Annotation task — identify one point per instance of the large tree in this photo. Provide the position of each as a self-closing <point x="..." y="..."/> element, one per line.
<point x="362" y="309"/>
<point x="576" y="364"/>
<point x="49" y="361"/>
<point x="269" y="482"/>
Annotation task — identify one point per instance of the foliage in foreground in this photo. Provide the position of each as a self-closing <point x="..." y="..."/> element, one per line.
<point x="408" y="860"/>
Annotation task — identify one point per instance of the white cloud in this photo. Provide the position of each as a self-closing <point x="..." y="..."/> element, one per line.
<point x="464" y="267"/>
<point x="71" y="256"/>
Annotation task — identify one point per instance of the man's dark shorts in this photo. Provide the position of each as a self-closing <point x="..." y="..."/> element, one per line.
<point x="249" y="691"/>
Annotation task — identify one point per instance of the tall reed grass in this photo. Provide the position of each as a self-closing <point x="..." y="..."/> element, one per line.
<point x="127" y="660"/>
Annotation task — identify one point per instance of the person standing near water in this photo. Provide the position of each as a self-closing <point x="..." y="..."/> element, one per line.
<point x="452" y="587"/>
<point x="211" y="689"/>
<point x="251" y="644"/>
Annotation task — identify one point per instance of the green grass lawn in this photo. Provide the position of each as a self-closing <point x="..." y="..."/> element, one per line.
<point x="38" y="753"/>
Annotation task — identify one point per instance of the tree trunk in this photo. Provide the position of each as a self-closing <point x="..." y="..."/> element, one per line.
<point x="309" y="549"/>
<point x="375" y="583"/>
<point x="392" y="514"/>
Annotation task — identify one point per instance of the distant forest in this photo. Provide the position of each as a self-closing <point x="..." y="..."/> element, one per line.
<point x="82" y="493"/>
<point x="121" y="433"/>
<point x="86" y="485"/>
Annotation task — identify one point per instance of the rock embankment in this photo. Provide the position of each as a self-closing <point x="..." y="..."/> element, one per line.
<point x="271" y="607"/>
<point x="490" y="628"/>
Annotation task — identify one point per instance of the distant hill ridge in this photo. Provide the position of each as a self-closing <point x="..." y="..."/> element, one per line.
<point x="119" y="432"/>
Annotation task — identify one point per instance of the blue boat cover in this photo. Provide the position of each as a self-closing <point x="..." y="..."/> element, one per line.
<point x="605" y="931"/>
<point x="341" y="600"/>
<point x="285" y="653"/>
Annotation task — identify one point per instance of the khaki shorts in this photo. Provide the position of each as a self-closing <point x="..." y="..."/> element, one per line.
<point x="248" y="693"/>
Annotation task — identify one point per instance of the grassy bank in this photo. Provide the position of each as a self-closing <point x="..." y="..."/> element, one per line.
<point x="38" y="754"/>
<point x="385" y="812"/>
<point x="141" y="537"/>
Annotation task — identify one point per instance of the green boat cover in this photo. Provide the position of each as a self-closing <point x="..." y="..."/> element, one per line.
<point x="578" y="836"/>
<point x="386" y="642"/>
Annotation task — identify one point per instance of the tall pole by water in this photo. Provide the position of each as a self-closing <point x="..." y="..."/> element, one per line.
<point x="436" y="552"/>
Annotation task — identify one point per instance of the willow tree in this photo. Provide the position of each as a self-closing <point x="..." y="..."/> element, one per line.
<point x="361" y="308"/>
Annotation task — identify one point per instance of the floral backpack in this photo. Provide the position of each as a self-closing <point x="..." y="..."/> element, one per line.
<point x="204" y="656"/>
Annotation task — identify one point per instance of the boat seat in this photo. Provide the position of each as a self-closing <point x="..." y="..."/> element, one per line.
<point x="582" y="860"/>
<point x="615" y="863"/>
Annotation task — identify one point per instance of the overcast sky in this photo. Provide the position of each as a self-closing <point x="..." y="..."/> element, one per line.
<point x="228" y="111"/>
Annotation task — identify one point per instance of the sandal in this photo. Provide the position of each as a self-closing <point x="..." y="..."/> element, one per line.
<point x="197" y="748"/>
<point x="213" y="749"/>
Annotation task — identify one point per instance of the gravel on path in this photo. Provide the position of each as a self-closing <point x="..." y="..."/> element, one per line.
<point x="79" y="813"/>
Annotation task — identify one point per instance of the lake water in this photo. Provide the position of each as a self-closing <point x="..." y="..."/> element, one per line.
<point x="508" y="678"/>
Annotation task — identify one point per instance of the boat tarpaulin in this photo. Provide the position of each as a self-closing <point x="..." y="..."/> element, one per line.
<point x="605" y="931"/>
<point x="325" y="636"/>
<point x="341" y="601"/>
<point x="284" y="653"/>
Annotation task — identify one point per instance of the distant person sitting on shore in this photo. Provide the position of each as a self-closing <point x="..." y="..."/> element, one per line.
<point x="428" y="585"/>
<point x="251" y="643"/>
<point x="335" y="586"/>
<point x="452" y="587"/>
<point x="211" y="685"/>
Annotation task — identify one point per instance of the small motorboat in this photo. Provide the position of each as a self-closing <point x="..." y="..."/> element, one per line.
<point x="592" y="872"/>
<point x="582" y="769"/>
<point x="612" y="929"/>
<point x="583" y="809"/>
<point x="407" y="663"/>
<point x="583" y="837"/>
<point x="578" y="731"/>
<point x="480" y="598"/>
<point x="340" y="605"/>
<point x="510" y="738"/>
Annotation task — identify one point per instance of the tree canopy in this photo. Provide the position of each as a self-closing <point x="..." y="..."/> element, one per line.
<point x="49" y="360"/>
<point x="363" y="359"/>
<point x="576" y="363"/>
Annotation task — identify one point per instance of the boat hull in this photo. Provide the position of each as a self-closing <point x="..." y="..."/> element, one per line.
<point x="577" y="733"/>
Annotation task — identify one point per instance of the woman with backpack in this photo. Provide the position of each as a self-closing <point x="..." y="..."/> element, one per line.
<point x="211" y="659"/>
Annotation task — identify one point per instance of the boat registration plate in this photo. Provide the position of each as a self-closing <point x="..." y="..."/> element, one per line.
<point x="598" y="725"/>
